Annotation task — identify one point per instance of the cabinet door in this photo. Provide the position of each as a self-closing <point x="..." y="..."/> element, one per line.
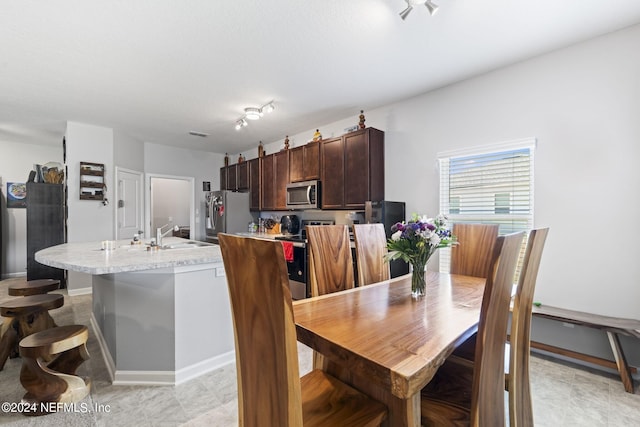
<point x="364" y="167"/>
<point x="356" y="175"/>
<point x="254" y="184"/>
<point x="332" y="153"/>
<point x="232" y="178"/>
<point x="296" y="164"/>
<point x="268" y="183"/>
<point x="311" y="161"/>
<point x="243" y="176"/>
<point x="223" y="178"/>
<point x="281" y="179"/>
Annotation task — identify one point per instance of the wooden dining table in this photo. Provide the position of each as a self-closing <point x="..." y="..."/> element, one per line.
<point x="387" y="344"/>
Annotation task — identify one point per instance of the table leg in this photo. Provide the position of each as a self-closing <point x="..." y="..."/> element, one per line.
<point x="402" y="412"/>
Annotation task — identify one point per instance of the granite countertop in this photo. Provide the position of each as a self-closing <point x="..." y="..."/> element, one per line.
<point x="90" y="258"/>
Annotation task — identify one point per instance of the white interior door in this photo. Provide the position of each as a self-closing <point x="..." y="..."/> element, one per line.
<point x="129" y="213"/>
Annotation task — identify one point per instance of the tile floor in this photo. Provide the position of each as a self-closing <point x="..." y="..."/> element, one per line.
<point x="563" y="394"/>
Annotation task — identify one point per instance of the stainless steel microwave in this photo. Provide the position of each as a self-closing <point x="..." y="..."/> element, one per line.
<point x="303" y="195"/>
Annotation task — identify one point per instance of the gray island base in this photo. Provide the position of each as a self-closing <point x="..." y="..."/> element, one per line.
<point x="161" y="317"/>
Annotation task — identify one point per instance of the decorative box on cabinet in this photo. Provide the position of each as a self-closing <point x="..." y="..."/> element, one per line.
<point x="45" y="227"/>
<point x="92" y="185"/>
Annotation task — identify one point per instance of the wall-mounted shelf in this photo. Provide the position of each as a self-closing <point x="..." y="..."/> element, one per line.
<point x="92" y="186"/>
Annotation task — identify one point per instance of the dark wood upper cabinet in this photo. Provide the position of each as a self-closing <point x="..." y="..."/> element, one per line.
<point x="281" y="179"/>
<point x="332" y="151"/>
<point x="364" y="167"/>
<point x="242" y="177"/>
<point x="304" y="162"/>
<point x="267" y="185"/>
<point x="232" y="177"/>
<point x="223" y="178"/>
<point x="353" y="169"/>
<point x="254" y="184"/>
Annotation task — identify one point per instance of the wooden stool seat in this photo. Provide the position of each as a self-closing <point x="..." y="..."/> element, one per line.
<point x="55" y="381"/>
<point x="33" y="287"/>
<point x="22" y="317"/>
<point x="27" y="305"/>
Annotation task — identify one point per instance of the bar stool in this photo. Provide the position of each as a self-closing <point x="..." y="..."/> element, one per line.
<point x="33" y="287"/>
<point x="66" y="347"/>
<point x="22" y="317"/>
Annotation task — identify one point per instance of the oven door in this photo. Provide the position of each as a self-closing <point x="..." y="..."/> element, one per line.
<point x="298" y="273"/>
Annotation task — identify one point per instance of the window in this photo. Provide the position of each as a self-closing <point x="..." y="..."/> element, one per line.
<point x="491" y="185"/>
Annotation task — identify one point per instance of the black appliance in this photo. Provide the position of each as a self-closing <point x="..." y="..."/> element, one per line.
<point x="387" y="213"/>
<point x="290" y="224"/>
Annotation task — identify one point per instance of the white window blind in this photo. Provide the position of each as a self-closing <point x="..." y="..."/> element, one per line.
<point x="489" y="185"/>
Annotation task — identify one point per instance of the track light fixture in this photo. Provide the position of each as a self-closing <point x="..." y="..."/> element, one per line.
<point x="252" y="113"/>
<point x="432" y="7"/>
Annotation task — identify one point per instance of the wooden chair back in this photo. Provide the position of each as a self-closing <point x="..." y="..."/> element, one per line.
<point x="487" y="401"/>
<point x="371" y="247"/>
<point x="330" y="260"/>
<point x="264" y="330"/>
<point x="472" y="257"/>
<point x="520" y="407"/>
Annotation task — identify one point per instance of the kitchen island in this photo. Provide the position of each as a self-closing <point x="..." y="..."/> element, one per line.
<point x="161" y="316"/>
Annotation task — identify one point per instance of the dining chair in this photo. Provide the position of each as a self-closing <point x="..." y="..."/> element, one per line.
<point x="371" y="247"/>
<point x="330" y="265"/>
<point x="330" y="260"/>
<point x="518" y="348"/>
<point x="270" y="390"/>
<point x="473" y="394"/>
<point x="472" y="256"/>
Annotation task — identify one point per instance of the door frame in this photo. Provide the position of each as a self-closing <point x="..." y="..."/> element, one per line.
<point x="147" y="199"/>
<point x="117" y="170"/>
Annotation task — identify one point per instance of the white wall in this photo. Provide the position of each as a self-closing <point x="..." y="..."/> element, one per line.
<point x="128" y="152"/>
<point x="15" y="164"/>
<point x="88" y="220"/>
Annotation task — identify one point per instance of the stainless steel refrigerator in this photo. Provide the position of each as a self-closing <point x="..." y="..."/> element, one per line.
<point x="227" y="212"/>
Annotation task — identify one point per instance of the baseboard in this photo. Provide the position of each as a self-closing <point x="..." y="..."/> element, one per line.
<point x="120" y="377"/>
<point x="13" y="275"/>
<point x="173" y="377"/>
<point x="80" y="291"/>
<point x="104" y="348"/>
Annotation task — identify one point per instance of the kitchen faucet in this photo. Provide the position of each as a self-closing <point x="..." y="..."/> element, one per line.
<point x="160" y="234"/>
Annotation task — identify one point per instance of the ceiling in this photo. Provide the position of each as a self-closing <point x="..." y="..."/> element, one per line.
<point x="157" y="69"/>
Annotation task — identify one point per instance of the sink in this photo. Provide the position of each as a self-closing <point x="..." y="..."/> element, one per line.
<point x="186" y="245"/>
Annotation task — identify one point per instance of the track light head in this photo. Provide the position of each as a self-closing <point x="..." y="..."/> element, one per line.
<point x="433" y="8"/>
<point x="268" y="108"/>
<point x="405" y="12"/>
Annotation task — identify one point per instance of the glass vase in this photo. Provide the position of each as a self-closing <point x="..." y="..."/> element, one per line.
<point x="418" y="282"/>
